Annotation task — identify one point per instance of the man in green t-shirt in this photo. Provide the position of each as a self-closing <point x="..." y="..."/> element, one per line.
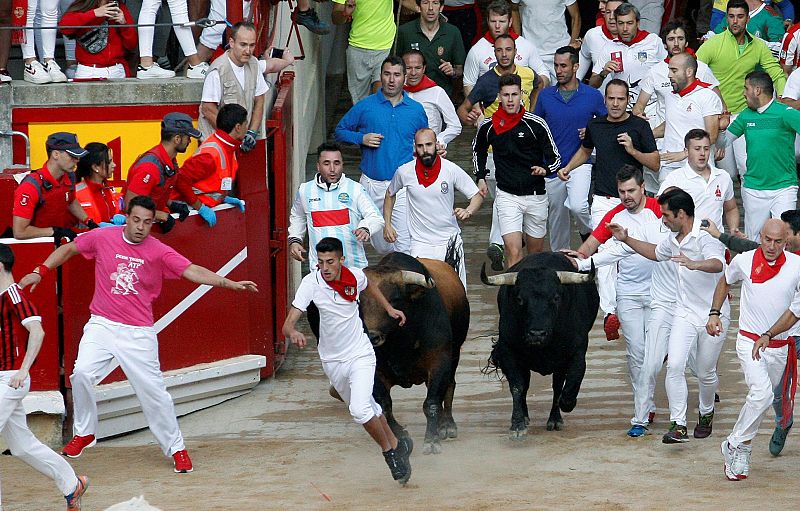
<point x="770" y="185"/>
<point x="371" y="38"/>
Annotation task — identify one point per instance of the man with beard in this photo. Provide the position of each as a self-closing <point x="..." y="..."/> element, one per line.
<point x="155" y="172"/>
<point x="430" y="182"/>
<point x="596" y="38"/>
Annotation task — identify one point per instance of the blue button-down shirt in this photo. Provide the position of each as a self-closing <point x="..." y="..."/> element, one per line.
<point x="398" y="124"/>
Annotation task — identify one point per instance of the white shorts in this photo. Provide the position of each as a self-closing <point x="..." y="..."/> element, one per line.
<point x="522" y="213"/>
<point x="353" y="380"/>
<point x="439" y="251"/>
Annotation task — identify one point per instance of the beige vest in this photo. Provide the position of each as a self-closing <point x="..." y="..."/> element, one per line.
<point x="232" y="92"/>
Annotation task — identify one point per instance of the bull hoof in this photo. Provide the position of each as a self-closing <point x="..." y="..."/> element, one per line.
<point x="567" y="405"/>
<point x="432" y="448"/>
<point x="527" y="421"/>
<point x="518" y="434"/>
<point x="449" y="430"/>
<point x="556" y="425"/>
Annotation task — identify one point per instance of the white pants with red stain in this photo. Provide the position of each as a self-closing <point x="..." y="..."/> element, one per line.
<point x="353" y="380"/>
<point x="21" y="441"/>
<point x="106" y="345"/>
<point x="606" y="275"/>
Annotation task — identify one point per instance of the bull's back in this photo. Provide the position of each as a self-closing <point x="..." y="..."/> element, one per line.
<point x="453" y="296"/>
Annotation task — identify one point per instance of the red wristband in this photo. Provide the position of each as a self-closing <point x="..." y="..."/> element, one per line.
<point x="42" y="270"/>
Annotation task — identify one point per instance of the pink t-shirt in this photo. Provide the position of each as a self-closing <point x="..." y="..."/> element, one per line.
<point x="128" y="276"/>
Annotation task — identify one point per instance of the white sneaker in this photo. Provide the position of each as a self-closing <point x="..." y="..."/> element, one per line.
<point x="728" y="454"/>
<point x="4" y="76"/>
<point x="197" y="72"/>
<point x="71" y="70"/>
<point x="54" y="70"/>
<point x="741" y="461"/>
<point x="36" y="73"/>
<point x="154" y="71"/>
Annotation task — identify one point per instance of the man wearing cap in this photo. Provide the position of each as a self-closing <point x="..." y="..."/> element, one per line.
<point x="45" y="203"/>
<point x="154" y="173"/>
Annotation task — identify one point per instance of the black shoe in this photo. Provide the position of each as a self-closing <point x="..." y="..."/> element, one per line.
<point x="311" y="21"/>
<point x="496" y="255"/>
<point x="400" y="471"/>
<point x="704" y="425"/>
<point x="676" y="435"/>
<point x="716" y="397"/>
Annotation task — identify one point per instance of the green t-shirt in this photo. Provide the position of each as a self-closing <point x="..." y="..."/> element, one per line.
<point x="373" y="25"/>
<point x="770" y="140"/>
<point x="447" y="45"/>
<point x="766" y="24"/>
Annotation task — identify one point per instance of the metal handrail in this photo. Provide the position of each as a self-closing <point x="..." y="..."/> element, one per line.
<point x="12" y="133"/>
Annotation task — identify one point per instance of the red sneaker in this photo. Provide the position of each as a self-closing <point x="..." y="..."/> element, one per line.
<point x="74" y="498"/>
<point x="651" y="417"/>
<point x="183" y="463"/>
<point x="611" y="327"/>
<point x="76" y="446"/>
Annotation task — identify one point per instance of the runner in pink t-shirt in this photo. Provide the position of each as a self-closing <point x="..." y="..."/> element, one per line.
<point x="130" y="267"/>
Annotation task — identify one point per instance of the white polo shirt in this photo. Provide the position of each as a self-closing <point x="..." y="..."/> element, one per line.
<point x="657" y="82"/>
<point x="341" y="331"/>
<point x="430" y="209"/>
<point x="481" y="59"/>
<point x="594" y="42"/>
<point x="441" y="113"/>
<point x="686" y="110"/>
<point x="708" y="196"/>
<point x="792" y="88"/>
<point x="544" y="23"/>
<point x="762" y="304"/>
<point x="638" y="58"/>
<point x="694" y="289"/>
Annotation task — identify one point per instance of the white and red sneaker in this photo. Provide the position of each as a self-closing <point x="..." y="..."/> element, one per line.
<point x="183" y="463"/>
<point x="76" y="446"/>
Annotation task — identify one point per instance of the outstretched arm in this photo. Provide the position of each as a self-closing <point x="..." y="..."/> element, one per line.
<point x="201" y="275"/>
<point x="53" y="261"/>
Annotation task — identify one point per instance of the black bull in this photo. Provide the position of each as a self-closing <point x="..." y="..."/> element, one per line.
<point x="546" y="312"/>
<point x="427" y="348"/>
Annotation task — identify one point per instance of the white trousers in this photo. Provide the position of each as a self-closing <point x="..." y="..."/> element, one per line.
<point x="682" y="339"/>
<point x="21" y="441"/>
<point x="377" y="192"/>
<point x="180" y="14"/>
<point x="606" y="275"/>
<point x="657" y="332"/>
<point x="761" y="376"/>
<point x="735" y="160"/>
<point x="211" y="37"/>
<point x="106" y="345"/>
<point x="353" y="380"/>
<point x="494" y="232"/>
<point x="49" y="17"/>
<point x="115" y="72"/>
<point x="634" y="315"/>
<point x="761" y="205"/>
<point x="565" y="198"/>
<point x="431" y="251"/>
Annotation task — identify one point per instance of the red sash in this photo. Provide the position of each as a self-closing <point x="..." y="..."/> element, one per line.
<point x="428" y="175"/>
<point x="425" y="83"/>
<point x="787" y="408"/>
<point x="346" y="286"/>
<point x="762" y="271"/>
<point x="503" y="121"/>
<point x="639" y="37"/>
<point x="488" y="35"/>
<point x="19" y="18"/>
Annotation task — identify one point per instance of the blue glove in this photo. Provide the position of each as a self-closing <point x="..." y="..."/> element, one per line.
<point x="236" y="202"/>
<point x="118" y="219"/>
<point x="106" y="224"/>
<point x="208" y="215"/>
<point x="249" y="141"/>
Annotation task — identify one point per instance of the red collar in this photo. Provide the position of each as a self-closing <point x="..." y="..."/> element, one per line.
<point x="687" y="50"/>
<point x="346" y="286"/>
<point x="47" y="176"/>
<point x="607" y="32"/>
<point x="502" y="121"/>
<point x="488" y="35"/>
<point x="639" y="37"/>
<point x="692" y="86"/>
<point x="426" y="176"/>
<point x="162" y="155"/>
<point x="761" y="270"/>
<point x="425" y="83"/>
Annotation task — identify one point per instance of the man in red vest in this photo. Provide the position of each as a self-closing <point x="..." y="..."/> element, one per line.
<point x="206" y="179"/>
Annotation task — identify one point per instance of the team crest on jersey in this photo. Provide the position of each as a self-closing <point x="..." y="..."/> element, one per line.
<point x="344" y="197"/>
<point x="718" y="193"/>
<point x="689" y="108"/>
<point x="415" y="46"/>
<point x="440" y="51"/>
<point x="445" y="187"/>
<point x="146" y="179"/>
<point x="642" y="56"/>
<point x="24" y="199"/>
<point x="349" y="290"/>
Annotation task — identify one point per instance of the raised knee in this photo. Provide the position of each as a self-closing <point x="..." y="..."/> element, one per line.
<point x="361" y="412"/>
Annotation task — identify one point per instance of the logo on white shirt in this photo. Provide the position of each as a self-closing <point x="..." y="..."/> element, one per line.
<point x="344" y="197"/>
<point x="642" y="56"/>
<point x="445" y="187"/>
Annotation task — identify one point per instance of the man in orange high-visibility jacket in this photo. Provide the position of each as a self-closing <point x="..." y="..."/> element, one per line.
<point x="207" y="177"/>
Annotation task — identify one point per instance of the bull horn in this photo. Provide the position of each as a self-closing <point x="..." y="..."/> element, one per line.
<point x="416" y="278"/>
<point x="507" y="279"/>
<point x="572" y="277"/>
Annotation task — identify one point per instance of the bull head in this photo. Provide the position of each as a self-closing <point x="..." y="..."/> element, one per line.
<point x="510" y="278"/>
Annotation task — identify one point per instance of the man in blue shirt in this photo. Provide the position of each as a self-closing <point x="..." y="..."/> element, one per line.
<point x="384" y="125"/>
<point x="567" y="108"/>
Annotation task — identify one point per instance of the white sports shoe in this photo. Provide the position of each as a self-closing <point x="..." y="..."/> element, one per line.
<point x="728" y="454"/>
<point x="154" y="71"/>
<point x="197" y="72"/>
<point x="54" y="70"/>
<point x="741" y="461"/>
<point x="36" y="73"/>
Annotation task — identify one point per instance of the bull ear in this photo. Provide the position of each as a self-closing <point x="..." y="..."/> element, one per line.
<point x="415" y="278"/>
<point x="507" y="279"/>
<point x="573" y="277"/>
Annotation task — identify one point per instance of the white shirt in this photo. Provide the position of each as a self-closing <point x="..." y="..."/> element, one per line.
<point x="657" y="82"/>
<point x="637" y="60"/>
<point x="708" y="196"/>
<point x="790" y="46"/>
<point x="694" y="289"/>
<point x="762" y="304"/>
<point x="792" y="88"/>
<point x="687" y="112"/>
<point x="544" y="23"/>
<point x="481" y="59"/>
<point x="442" y="117"/>
<point x="430" y="209"/>
<point x="212" y="86"/>
<point x="341" y="331"/>
<point x="594" y="42"/>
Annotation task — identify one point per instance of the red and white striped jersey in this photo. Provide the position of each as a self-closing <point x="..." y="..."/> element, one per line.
<point x="16" y="311"/>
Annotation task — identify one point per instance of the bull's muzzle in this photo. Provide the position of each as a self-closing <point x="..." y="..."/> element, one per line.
<point x="536" y="337"/>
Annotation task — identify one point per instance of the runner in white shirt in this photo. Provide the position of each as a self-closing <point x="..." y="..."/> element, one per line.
<point x="790" y="49"/>
<point x="596" y="38"/>
<point x="481" y="57"/>
<point x="545" y="25"/>
<point x="430" y="183"/>
<point x="702" y="261"/>
<point x="344" y="347"/>
<point x="442" y="117"/>
<point x="770" y="284"/>
<point x="711" y="188"/>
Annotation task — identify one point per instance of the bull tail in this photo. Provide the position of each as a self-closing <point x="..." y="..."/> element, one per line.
<point x="452" y="255"/>
<point x="492" y="369"/>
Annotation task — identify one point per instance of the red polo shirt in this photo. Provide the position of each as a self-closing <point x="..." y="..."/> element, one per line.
<point x="55" y="210"/>
<point x="144" y="178"/>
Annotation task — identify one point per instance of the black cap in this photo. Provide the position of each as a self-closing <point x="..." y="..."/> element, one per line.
<point x="177" y="122"/>
<point x="68" y="142"/>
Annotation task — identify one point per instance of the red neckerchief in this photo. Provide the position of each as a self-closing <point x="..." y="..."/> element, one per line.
<point x="346" y="285"/>
<point x="687" y="50"/>
<point x="19" y="17"/>
<point x="639" y="37"/>
<point x="488" y="35"/>
<point x="607" y="32"/>
<point x="425" y="83"/>
<point x="762" y="271"/>
<point x="428" y="175"/>
<point x="503" y="121"/>
<point x="692" y="86"/>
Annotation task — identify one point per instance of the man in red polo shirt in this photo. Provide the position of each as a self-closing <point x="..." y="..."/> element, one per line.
<point x="155" y="172"/>
<point x="45" y="203"/>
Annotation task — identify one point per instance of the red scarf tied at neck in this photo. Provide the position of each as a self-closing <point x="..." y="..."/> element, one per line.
<point x="346" y="286"/>
<point x="425" y="83"/>
<point x="761" y="270"/>
<point x="488" y="35"/>
<point x="503" y="121"/>
<point x="428" y="175"/>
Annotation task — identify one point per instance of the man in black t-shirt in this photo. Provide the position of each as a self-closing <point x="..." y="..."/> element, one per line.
<point x="620" y="139"/>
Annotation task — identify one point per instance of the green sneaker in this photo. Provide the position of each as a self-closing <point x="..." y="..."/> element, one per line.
<point x="676" y="435"/>
<point x="704" y="423"/>
<point x="778" y="440"/>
